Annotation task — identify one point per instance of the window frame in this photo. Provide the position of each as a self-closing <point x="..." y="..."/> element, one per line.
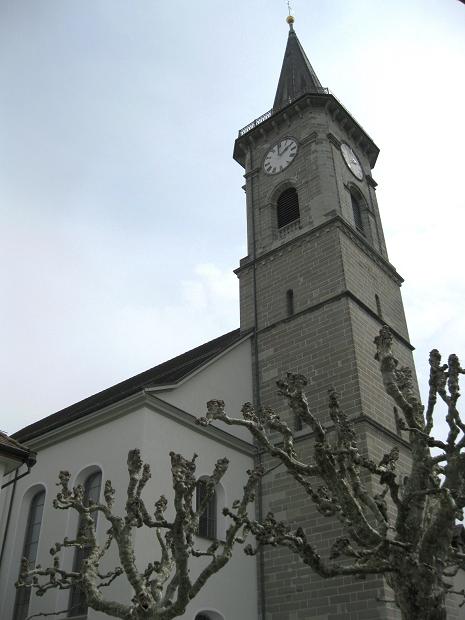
<point x="208" y="614"/>
<point x="282" y="209"/>
<point x="77" y="605"/>
<point x="208" y="520"/>
<point x="23" y="595"/>
<point x="357" y="212"/>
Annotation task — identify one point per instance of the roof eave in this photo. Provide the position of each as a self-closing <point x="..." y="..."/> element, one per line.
<point x="130" y="405"/>
<point x="13" y="457"/>
<point x="274" y="120"/>
<point x="40" y="427"/>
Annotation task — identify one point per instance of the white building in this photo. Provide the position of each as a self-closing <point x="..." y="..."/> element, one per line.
<point x="155" y="412"/>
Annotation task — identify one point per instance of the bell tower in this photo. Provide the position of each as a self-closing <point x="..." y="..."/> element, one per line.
<point x="315" y="288"/>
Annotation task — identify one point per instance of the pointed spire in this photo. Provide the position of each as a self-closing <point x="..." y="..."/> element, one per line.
<point x="297" y="75"/>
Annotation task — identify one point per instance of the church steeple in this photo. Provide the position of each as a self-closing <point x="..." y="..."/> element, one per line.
<point x="316" y="285"/>
<point x="297" y="75"/>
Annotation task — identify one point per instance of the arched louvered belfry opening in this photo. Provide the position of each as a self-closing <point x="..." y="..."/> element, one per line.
<point x="288" y="207"/>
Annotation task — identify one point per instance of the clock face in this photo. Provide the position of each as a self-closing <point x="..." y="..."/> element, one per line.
<point x="352" y="161"/>
<point x="280" y="156"/>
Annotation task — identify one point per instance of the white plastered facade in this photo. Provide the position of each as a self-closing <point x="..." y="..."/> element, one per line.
<point x="156" y="421"/>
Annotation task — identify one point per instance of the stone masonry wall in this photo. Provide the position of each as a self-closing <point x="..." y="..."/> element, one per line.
<point x="329" y="338"/>
<point x="293" y="590"/>
<point x="343" y="291"/>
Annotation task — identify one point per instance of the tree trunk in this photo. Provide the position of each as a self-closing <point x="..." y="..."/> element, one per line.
<point x="420" y="598"/>
<point x="438" y="613"/>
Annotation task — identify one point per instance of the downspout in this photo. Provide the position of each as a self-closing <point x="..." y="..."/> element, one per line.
<point x="258" y="404"/>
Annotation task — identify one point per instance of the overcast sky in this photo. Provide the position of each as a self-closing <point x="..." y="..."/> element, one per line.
<point x="122" y="214"/>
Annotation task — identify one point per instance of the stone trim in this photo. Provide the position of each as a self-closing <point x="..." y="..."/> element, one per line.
<point x="336" y="222"/>
<point x="310" y="138"/>
<point x="357" y="421"/>
<point x="371" y="182"/>
<point x="334" y="141"/>
<point x="252" y="172"/>
<point x="305" y="434"/>
<point x="332" y="299"/>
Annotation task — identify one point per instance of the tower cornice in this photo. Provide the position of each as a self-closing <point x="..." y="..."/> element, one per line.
<point x="274" y="120"/>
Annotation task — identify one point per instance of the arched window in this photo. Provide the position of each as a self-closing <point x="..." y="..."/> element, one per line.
<point x="207" y="520"/>
<point x="77" y="599"/>
<point x="290" y="302"/>
<point x="379" y="310"/>
<point x="209" y="615"/>
<point x="357" y="212"/>
<point x="31" y="543"/>
<point x="288" y="207"/>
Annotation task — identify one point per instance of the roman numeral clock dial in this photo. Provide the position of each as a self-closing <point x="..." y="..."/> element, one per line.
<point x="280" y="156"/>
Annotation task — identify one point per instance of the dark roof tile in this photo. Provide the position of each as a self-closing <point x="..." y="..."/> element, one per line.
<point x="167" y="373"/>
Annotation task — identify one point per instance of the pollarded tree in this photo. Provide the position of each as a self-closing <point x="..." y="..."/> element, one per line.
<point x="411" y="542"/>
<point x="163" y="588"/>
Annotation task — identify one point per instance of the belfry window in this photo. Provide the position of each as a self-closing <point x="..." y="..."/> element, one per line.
<point x="288" y="207"/>
<point x="77" y="599"/>
<point x="207" y="520"/>
<point x="31" y="543"/>
<point x="357" y="213"/>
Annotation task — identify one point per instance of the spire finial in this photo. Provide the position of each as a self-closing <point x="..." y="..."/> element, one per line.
<point x="290" y="18"/>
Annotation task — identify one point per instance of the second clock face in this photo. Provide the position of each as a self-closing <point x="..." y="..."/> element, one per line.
<point x="280" y="156"/>
<point x="352" y="161"/>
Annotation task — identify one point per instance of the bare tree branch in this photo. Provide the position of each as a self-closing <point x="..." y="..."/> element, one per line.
<point x="396" y="525"/>
<point x="164" y="588"/>
<point x="403" y="531"/>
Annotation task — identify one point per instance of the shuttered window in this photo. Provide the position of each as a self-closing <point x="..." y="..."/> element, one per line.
<point x="288" y="207"/>
<point x="31" y="543"/>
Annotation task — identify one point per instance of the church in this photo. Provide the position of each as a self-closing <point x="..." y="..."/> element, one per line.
<point x="315" y="288"/>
